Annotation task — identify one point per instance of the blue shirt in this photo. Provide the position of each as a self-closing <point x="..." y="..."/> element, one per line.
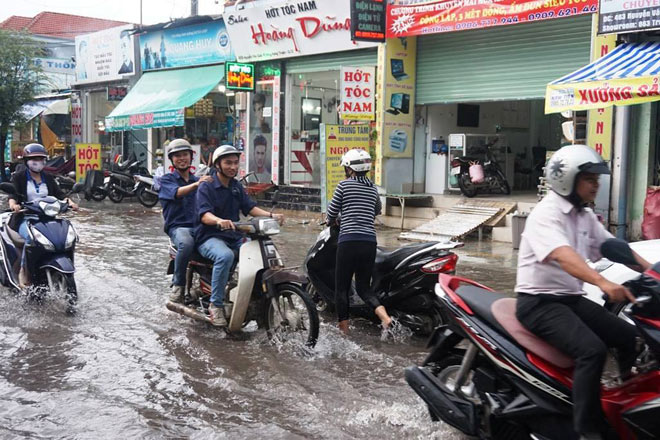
<point x="223" y="202"/>
<point x="178" y="212"/>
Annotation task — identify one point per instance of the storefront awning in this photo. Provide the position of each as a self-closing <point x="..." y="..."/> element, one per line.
<point x="630" y="74"/>
<point x="158" y="99"/>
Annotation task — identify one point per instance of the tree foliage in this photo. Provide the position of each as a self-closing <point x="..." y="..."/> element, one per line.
<point x="20" y="80"/>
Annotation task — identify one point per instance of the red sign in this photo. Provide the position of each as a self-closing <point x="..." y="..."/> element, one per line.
<point x="458" y="15"/>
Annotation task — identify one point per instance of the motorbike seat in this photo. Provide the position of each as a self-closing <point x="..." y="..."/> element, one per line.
<point x="481" y="301"/>
<point x="198" y="258"/>
<point x="504" y="310"/>
<point x="387" y="260"/>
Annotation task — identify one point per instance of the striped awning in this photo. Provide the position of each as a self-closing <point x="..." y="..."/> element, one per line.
<point x="630" y="74"/>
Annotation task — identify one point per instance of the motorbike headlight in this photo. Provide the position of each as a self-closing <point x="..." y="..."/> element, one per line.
<point x="269" y="226"/>
<point x="50" y="209"/>
<point x="71" y="237"/>
<point x="42" y="240"/>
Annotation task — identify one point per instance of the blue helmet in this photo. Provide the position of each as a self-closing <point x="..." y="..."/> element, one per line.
<point x="31" y="151"/>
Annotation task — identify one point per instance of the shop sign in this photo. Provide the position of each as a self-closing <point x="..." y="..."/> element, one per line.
<point x="88" y="157"/>
<point x="291" y="29"/>
<point x="335" y="141"/>
<point x="396" y="110"/>
<point x="239" y="76"/>
<point x="168" y="118"/>
<point x="268" y="71"/>
<point x="621" y="16"/>
<point x="458" y="15"/>
<point x="368" y="20"/>
<point x="76" y="121"/>
<point x="105" y="55"/>
<point x="56" y="65"/>
<point x="117" y="93"/>
<point x="195" y="45"/>
<point x="357" y="93"/>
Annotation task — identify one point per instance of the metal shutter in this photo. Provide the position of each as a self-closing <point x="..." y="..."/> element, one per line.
<point x="332" y="61"/>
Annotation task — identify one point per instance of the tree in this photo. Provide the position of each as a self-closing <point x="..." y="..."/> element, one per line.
<point x="20" y="80"/>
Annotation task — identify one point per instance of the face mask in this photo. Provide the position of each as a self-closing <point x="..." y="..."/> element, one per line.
<point x="35" y="165"/>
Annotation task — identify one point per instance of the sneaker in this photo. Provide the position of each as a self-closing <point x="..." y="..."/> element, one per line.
<point x="176" y="295"/>
<point x="217" y="315"/>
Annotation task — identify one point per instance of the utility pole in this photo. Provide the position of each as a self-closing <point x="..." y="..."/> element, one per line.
<point x="140" y="12"/>
<point x="193" y="7"/>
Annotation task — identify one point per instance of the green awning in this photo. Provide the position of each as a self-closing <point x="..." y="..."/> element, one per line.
<point x="158" y="99"/>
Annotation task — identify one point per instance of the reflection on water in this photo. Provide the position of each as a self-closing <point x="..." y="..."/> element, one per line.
<point x="126" y="367"/>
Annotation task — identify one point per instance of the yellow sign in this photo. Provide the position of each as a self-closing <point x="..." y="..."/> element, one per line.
<point x="599" y="122"/>
<point x="335" y="141"/>
<point x="396" y="109"/>
<point x="88" y="157"/>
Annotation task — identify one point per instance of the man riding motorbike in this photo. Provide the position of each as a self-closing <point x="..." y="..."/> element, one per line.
<point x="560" y="234"/>
<point x="30" y="184"/>
<point x="218" y="204"/>
<point x="177" y="196"/>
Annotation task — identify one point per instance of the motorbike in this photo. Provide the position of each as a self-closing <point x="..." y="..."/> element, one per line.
<point x="491" y="177"/>
<point x="487" y="376"/>
<point x="50" y="257"/>
<point x="260" y="288"/>
<point x="144" y="190"/>
<point x="402" y="279"/>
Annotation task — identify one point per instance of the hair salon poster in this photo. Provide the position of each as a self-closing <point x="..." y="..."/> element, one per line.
<point x="106" y="55"/>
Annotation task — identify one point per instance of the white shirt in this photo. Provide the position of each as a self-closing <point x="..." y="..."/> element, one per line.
<point x="32" y="192"/>
<point x="554" y="223"/>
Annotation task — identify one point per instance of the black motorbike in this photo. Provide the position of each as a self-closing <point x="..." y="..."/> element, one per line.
<point x="121" y="180"/>
<point x="494" y="179"/>
<point x="403" y="280"/>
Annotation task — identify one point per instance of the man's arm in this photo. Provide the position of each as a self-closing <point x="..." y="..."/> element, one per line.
<point x="258" y="212"/>
<point x="571" y="262"/>
<point x="641" y="266"/>
<point x="187" y="189"/>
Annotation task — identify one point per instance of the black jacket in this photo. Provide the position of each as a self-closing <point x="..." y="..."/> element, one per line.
<point x="19" y="180"/>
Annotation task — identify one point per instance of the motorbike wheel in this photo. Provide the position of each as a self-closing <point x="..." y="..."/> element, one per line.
<point x="466" y="186"/>
<point x="504" y="185"/>
<point x="66" y="283"/>
<point x="321" y="304"/>
<point x="291" y="315"/>
<point x="147" y="199"/>
<point x="98" y="194"/>
<point x="115" y="195"/>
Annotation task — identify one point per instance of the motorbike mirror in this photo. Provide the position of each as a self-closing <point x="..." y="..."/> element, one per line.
<point x="7" y="188"/>
<point x="276" y="197"/>
<point x="72" y="174"/>
<point x="618" y="251"/>
<point x="78" y="187"/>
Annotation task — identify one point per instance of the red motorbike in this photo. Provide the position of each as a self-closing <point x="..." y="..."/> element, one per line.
<point x="488" y="376"/>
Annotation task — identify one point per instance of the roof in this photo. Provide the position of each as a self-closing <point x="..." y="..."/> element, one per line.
<point x="55" y="24"/>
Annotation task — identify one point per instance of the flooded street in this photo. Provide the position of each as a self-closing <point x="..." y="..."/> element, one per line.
<point x="126" y="367"/>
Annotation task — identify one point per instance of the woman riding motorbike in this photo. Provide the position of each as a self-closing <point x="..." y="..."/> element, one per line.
<point x="30" y="184"/>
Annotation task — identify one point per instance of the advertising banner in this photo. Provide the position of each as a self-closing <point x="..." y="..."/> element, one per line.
<point x="357" y="93"/>
<point x="88" y="157"/>
<point x="56" y="65"/>
<point x="291" y="29"/>
<point x="195" y="45"/>
<point x="397" y="107"/>
<point x="239" y="76"/>
<point x="621" y="16"/>
<point x="335" y="141"/>
<point x="168" y="118"/>
<point x="194" y="166"/>
<point x="105" y="55"/>
<point x="457" y="15"/>
<point x="76" y="120"/>
<point x="368" y="20"/>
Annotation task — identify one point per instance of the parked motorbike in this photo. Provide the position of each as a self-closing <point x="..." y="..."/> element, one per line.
<point x="144" y="190"/>
<point x="489" y="377"/>
<point x="402" y="279"/>
<point x="260" y="289"/>
<point x="487" y="175"/>
<point x="50" y="257"/>
<point x="66" y="182"/>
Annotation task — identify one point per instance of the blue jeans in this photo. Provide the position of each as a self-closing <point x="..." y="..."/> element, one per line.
<point x="184" y="242"/>
<point x="222" y="254"/>
<point x="23" y="232"/>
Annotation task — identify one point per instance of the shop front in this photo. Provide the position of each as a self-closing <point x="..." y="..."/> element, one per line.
<point x="181" y="92"/>
<point x="481" y="72"/>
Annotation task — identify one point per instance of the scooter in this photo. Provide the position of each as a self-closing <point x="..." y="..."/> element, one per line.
<point x="50" y="257"/>
<point x="144" y="190"/>
<point x="487" y="376"/>
<point x="402" y="279"/>
<point x="260" y="289"/>
<point x="493" y="179"/>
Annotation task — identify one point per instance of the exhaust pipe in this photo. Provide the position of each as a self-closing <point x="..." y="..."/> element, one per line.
<point x="187" y="311"/>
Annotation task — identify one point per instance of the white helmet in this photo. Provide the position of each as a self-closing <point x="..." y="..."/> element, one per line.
<point x="567" y="162"/>
<point x="357" y="159"/>
<point x="224" y="150"/>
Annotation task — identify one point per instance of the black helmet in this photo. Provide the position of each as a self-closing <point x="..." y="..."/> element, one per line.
<point x="178" y="145"/>
<point x="31" y="151"/>
<point x="224" y="150"/>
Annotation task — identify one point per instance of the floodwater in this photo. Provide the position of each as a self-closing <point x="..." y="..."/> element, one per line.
<point x="126" y="367"/>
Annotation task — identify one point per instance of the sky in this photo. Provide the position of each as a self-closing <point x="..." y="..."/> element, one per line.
<point x="153" y="11"/>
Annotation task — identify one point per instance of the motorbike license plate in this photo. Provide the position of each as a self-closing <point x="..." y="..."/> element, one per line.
<point x="455" y="171"/>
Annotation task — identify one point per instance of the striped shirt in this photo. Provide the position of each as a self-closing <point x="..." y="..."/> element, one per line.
<point x="357" y="200"/>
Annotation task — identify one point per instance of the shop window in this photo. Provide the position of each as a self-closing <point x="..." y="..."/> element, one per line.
<point x="311" y="118"/>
